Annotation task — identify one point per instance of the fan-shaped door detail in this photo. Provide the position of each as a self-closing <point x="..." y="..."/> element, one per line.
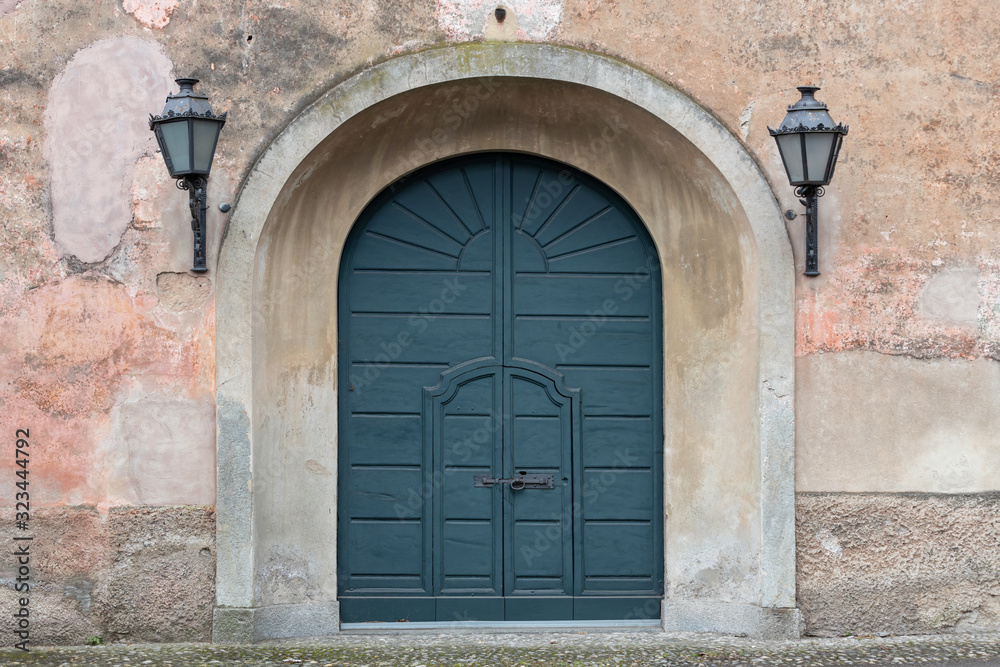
<point x="500" y="423"/>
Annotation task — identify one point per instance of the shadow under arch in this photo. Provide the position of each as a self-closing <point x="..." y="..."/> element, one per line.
<point x="727" y="306"/>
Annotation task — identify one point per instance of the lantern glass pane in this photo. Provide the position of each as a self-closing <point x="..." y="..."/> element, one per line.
<point x="790" y="147"/>
<point x="177" y="145"/>
<point x="819" y="146"/>
<point x="206" y="133"/>
<point x="838" y="140"/>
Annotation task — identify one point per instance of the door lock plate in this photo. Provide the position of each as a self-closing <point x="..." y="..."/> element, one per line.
<point x="517" y="482"/>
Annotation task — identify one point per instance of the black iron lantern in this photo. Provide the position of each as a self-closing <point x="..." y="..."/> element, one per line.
<point x="187" y="132"/>
<point x="809" y="143"/>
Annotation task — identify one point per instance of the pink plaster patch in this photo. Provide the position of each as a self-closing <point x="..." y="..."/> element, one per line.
<point x="151" y="13"/>
<point x="73" y="350"/>
<point x="873" y="303"/>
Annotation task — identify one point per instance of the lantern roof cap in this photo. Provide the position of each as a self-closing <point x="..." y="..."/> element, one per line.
<point x="808" y="115"/>
<point x="186" y="103"/>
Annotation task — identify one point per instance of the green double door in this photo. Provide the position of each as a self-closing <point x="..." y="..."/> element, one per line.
<point x="500" y="393"/>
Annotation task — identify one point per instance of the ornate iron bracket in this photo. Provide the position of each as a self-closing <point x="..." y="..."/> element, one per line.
<point x="198" y="203"/>
<point x="808" y="197"/>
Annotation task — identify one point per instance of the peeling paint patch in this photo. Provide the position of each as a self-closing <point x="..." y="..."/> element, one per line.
<point x="745" y="118"/>
<point x="182" y="291"/>
<point x="463" y="19"/>
<point x="952" y="296"/>
<point x="96" y="124"/>
<point x="286" y="575"/>
<point x="317" y="468"/>
<point x="889" y="302"/>
<point x="72" y="351"/>
<point x="79" y="589"/>
<point x="829" y="543"/>
<point x="151" y="13"/>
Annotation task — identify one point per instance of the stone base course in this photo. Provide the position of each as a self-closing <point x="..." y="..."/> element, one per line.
<point x="898" y="563"/>
<point x="132" y="573"/>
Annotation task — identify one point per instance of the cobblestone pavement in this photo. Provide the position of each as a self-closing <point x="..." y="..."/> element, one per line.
<point x="550" y="649"/>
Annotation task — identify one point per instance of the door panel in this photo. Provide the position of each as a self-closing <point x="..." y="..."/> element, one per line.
<point x="570" y="293"/>
<point x="400" y="290"/>
<point x="538" y="439"/>
<point x="500" y="314"/>
<point x="460" y="419"/>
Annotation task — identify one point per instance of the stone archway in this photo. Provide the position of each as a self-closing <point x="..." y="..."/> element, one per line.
<point x="728" y="321"/>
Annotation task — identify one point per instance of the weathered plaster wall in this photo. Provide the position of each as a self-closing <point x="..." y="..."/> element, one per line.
<point x="107" y="352"/>
<point x="927" y="425"/>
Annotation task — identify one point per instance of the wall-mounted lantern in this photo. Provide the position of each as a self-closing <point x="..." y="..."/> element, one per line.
<point x="809" y="143"/>
<point x="187" y="132"/>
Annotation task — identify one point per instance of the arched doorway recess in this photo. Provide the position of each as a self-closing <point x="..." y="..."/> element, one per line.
<point x="727" y="313"/>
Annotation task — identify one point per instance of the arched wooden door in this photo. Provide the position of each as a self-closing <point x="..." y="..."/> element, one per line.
<point x="500" y="400"/>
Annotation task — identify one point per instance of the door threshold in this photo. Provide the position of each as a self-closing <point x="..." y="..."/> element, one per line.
<point x="496" y="627"/>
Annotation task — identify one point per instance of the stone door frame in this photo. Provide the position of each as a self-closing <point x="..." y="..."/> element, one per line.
<point x="239" y="614"/>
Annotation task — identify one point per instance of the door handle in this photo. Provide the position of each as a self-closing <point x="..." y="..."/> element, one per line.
<point x="517" y="482"/>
